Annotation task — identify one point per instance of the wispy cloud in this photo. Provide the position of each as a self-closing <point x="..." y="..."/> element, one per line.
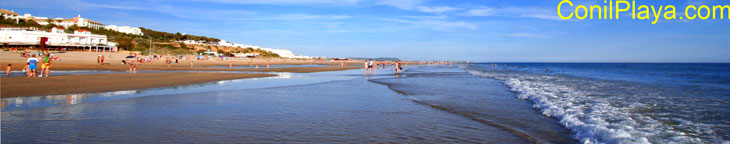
<point x="485" y="11"/>
<point x="527" y="35"/>
<point x="72" y="4"/>
<point x="400" y="4"/>
<point x="435" y="24"/>
<point x="525" y="12"/>
<point x="437" y="9"/>
<point x="301" y="17"/>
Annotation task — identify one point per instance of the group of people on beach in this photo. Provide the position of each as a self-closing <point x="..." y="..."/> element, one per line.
<point x="31" y="67"/>
<point x="371" y="65"/>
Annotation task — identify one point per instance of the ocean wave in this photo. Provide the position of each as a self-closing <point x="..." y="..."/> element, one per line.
<point x="601" y="111"/>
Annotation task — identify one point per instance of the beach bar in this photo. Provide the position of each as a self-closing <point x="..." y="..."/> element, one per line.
<point x="58" y="40"/>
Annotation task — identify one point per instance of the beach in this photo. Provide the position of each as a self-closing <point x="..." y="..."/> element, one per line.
<point x="465" y="103"/>
<point x="71" y="84"/>
<point x="347" y="109"/>
<point x="97" y="81"/>
<point x="74" y="60"/>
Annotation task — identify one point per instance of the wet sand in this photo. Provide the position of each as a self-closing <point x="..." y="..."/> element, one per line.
<point x="68" y="84"/>
<point x="349" y="111"/>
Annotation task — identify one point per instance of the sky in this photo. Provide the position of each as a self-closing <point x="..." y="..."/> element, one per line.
<point x="468" y="30"/>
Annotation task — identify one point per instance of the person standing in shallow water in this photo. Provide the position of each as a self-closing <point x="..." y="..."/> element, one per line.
<point x="26" y="69"/>
<point x="370" y="64"/>
<point x="7" y="70"/>
<point x="46" y="67"/>
<point x="32" y="61"/>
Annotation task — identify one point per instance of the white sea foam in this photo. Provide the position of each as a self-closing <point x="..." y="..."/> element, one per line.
<point x="592" y="116"/>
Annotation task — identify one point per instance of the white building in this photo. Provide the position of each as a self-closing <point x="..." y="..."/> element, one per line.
<point x="8" y="14"/>
<point x="78" y="21"/>
<point x="84" y="37"/>
<point x="245" y="54"/>
<point x="125" y="29"/>
<point x="281" y="52"/>
<point x="82" y="22"/>
<point x="56" y="37"/>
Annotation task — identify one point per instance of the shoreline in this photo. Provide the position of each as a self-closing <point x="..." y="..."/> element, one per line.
<point x="70" y="84"/>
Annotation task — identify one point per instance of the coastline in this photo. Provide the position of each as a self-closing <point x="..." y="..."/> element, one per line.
<point x="69" y="84"/>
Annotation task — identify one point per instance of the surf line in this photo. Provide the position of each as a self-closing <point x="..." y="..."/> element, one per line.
<point x="517" y="132"/>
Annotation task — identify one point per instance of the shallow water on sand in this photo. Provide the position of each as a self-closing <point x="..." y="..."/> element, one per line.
<point x="282" y="79"/>
<point x="354" y="111"/>
<point x="487" y="101"/>
<point x="424" y="105"/>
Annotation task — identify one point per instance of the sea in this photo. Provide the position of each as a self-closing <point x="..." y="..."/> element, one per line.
<point x="459" y="103"/>
<point x="624" y="102"/>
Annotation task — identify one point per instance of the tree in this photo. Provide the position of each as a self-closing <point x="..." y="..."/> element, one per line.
<point x="125" y="43"/>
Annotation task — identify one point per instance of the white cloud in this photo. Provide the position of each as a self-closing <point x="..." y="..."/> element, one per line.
<point x="485" y="11"/>
<point x="401" y="4"/>
<point x="435" y="24"/>
<point x="302" y="17"/>
<point x="526" y="12"/>
<point x="527" y="35"/>
<point x="437" y="9"/>
<point x="72" y="4"/>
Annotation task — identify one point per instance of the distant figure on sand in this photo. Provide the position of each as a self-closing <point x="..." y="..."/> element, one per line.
<point x="102" y="59"/>
<point x="191" y="64"/>
<point x="168" y="61"/>
<point x="230" y="64"/>
<point x="32" y="67"/>
<point x="132" y="66"/>
<point x="7" y="70"/>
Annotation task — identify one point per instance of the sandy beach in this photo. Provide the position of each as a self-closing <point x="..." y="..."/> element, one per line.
<point x="67" y="84"/>
<point x="22" y="86"/>
<point x="87" y="61"/>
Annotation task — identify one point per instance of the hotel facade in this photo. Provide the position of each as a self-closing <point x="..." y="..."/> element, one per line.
<point x="57" y="40"/>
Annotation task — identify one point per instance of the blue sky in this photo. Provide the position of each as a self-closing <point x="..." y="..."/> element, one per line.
<point x="483" y="30"/>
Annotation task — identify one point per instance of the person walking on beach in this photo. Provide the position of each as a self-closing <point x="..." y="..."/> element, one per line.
<point x="32" y="61"/>
<point x="230" y="64"/>
<point x="370" y="64"/>
<point x="168" y="61"/>
<point x="102" y="60"/>
<point x="98" y="59"/>
<point x="132" y="67"/>
<point x="7" y="70"/>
